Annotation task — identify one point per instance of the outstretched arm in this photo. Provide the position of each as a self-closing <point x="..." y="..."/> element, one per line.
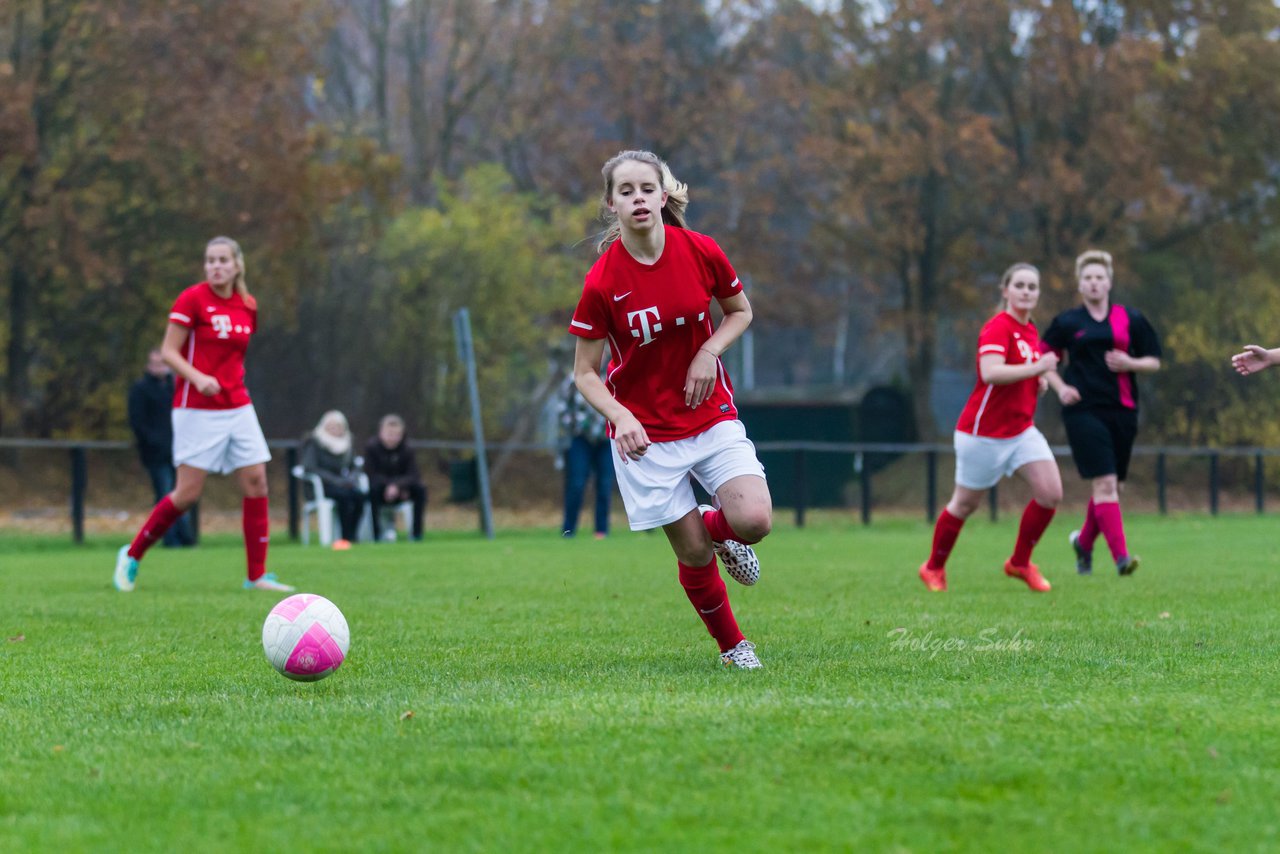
<point x="1254" y="359"/>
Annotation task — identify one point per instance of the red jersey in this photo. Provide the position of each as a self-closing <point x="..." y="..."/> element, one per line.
<point x="218" y="338"/>
<point x="656" y="317"/>
<point x="1003" y="411"/>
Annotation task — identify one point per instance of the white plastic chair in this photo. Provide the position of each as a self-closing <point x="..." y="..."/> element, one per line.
<point x="403" y="508"/>
<point x="323" y="509"/>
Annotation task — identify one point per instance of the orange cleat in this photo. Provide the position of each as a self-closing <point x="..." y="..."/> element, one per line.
<point x="1030" y="574"/>
<point x="934" y="579"/>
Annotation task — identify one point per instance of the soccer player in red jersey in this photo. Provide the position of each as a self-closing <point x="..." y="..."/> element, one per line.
<point x="995" y="436"/>
<point x="215" y="428"/>
<point x="666" y="394"/>
<point x="1105" y="345"/>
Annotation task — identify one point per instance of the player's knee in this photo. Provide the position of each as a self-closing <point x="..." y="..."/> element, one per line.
<point x="184" y="497"/>
<point x="255" y="486"/>
<point x="694" y="555"/>
<point x="754" y="525"/>
<point x="1048" y="496"/>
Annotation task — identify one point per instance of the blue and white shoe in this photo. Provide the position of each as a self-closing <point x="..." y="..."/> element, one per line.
<point x="126" y="570"/>
<point x="268" y="582"/>
<point x="738" y="559"/>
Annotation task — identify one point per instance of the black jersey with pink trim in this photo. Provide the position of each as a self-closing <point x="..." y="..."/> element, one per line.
<point x="1084" y="343"/>
<point x="656" y="317"/>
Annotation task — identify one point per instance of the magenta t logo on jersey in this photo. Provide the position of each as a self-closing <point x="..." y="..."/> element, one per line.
<point x="646" y="330"/>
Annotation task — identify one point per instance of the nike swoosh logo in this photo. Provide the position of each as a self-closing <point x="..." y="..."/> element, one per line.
<point x="617" y="297"/>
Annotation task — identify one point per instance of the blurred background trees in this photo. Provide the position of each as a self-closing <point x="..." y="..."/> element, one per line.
<point x="871" y="168"/>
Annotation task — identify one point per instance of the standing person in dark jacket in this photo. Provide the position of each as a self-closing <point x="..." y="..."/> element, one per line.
<point x="585" y="439"/>
<point x="151" y="417"/>
<point x="393" y="474"/>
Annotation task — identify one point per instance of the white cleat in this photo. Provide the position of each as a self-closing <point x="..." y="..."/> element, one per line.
<point x="743" y="655"/>
<point x="126" y="570"/>
<point x="738" y="559"/>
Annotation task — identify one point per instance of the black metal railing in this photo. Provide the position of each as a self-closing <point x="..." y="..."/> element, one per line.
<point x="800" y="489"/>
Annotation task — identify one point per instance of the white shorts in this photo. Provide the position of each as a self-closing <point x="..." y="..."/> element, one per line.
<point x="981" y="461"/>
<point x="656" y="489"/>
<point x="218" y="440"/>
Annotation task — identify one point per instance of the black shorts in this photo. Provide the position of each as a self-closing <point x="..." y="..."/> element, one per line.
<point x="1101" y="440"/>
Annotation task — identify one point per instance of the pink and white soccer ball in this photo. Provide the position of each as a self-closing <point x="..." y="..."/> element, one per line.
<point x="306" y="637"/>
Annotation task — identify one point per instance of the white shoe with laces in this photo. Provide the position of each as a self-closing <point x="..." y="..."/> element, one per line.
<point x="743" y="655"/>
<point x="738" y="559"/>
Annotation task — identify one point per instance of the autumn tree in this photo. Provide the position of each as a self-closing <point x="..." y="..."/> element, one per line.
<point x="131" y="136"/>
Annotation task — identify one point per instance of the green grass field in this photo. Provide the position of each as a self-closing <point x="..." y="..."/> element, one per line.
<point x="535" y="694"/>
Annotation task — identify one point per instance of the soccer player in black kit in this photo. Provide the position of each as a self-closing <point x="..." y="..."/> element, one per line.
<point x="1104" y="345"/>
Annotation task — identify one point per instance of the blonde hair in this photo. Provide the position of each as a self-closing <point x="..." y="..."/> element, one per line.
<point x="1007" y="277"/>
<point x="672" y="211"/>
<point x="241" y="284"/>
<point x="1094" y="256"/>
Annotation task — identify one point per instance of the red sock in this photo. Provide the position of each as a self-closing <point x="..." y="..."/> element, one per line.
<point x="718" y="528"/>
<point x="1034" y="520"/>
<point x="257" y="533"/>
<point x="1112" y="525"/>
<point x="945" y="532"/>
<point x="705" y="589"/>
<point x="1089" y="530"/>
<point x="162" y="517"/>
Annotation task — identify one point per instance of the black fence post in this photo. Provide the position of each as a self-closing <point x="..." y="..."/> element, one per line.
<point x="866" y="494"/>
<point x="291" y="460"/>
<point x="1259" y="483"/>
<point x="79" y="480"/>
<point x="194" y="515"/>
<point x="931" y="485"/>
<point x="1161" y="484"/>
<point x="1213" y="483"/>
<point x="993" y="498"/>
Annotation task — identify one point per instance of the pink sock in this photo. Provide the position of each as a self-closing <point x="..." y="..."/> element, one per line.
<point x="1112" y="525"/>
<point x="1034" y="520"/>
<point x="945" y="532"/>
<point x="257" y="533"/>
<point x="162" y="517"/>
<point x="1089" y="530"/>
<point x="706" y="591"/>
<point x="718" y="528"/>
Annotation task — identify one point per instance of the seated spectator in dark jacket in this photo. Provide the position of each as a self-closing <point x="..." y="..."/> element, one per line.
<point x="151" y="417"/>
<point x="327" y="452"/>
<point x="393" y="474"/>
